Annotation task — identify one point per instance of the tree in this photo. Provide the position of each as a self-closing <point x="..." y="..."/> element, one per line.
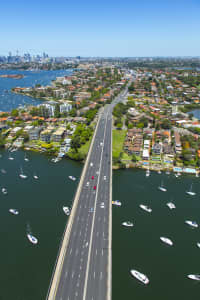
<point x="14" y="113"/>
<point x="119" y="126"/>
<point x="76" y="142"/>
<point x="134" y="157"/>
<point x="57" y="111"/>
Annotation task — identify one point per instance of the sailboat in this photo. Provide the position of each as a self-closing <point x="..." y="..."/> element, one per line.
<point x="22" y="175"/>
<point x="162" y="188"/>
<point x="26" y="158"/>
<point x="190" y="192"/>
<point x="35" y="176"/>
<point x="10" y="157"/>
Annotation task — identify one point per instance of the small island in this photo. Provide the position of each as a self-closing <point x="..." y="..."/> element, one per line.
<point x="13" y="76"/>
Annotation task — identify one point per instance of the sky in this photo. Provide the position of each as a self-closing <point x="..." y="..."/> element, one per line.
<point x="101" y="28"/>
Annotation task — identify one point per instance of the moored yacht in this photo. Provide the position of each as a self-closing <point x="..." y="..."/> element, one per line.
<point x="22" y="175"/>
<point x="127" y="224"/>
<point x="194" y="277"/>
<point x="190" y="192"/>
<point x="10" y="157"/>
<point x="32" y="238"/>
<point x="26" y="158"/>
<point x="146" y="208"/>
<point x="13" y="211"/>
<point x="171" y="205"/>
<point x="66" y="210"/>
<point x="116" y="202"/>
<point x="166" y="240"/>
<point x="162" y="188"/>
<point x="141" y="277"/>
<point x="35" y="176"/>
<point x="147" y="173"/>
<point x="198" y="245"/>
<point x="192" y="223"/>
<point x="4" y="191"/>
<point x="72" y="178"/>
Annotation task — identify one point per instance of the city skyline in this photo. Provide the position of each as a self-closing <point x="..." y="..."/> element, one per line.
<point x="131" y="29"/>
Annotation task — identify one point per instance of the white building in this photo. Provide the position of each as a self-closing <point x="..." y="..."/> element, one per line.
<point x="65" y="107"/>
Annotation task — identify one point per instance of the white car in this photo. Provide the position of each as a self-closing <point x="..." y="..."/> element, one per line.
<point x="104" y="177"/>
<point x="91" y="164"/>
<point x="102" y="205"/>
<point x="87" y="184"/>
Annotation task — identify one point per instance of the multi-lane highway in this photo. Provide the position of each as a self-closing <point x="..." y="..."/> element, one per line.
<point x="83" y="269"/>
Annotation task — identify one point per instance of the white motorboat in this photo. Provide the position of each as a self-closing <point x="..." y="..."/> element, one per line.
<point x="35" y="176"/>
<point x="72" y="178"/>
<point x="4" y="191"/>
<point x="146" y="208"/>
<point x="3" y="171"/>
<point x="127" y="224"/>
<point x="32" y="238"/>
<point x="22" y="175"/>
<point x="166" y="240"/>
<point x="141" y="277"/>
<point x="192" y="223"/>
<point x="198" y="245"/>
<point x="194" y="277"/>
<point x="66" y="210"/>
<point x="190" y="192"/>
<point x="162" y="188"/>
<point x="147" y="173"/>
<point x="171" y="205"/>
<point x="116" y="202"/>
<point x="13" y="211"/>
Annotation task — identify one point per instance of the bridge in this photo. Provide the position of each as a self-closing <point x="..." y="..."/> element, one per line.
<point x="84" y="264"/>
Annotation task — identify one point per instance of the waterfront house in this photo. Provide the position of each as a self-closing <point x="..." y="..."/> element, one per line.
<point x="34" y="134"/>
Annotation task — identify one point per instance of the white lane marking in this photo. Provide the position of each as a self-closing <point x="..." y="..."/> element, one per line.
<point x="101" y="275"/>
<point x="70" y="251"/>
<point x="96" y="251"/>
<point x="102" y="252"/>
<point x="94" y="274"/>
<point x="73" y="274"/>
<point x="66" y="273"/>
<point x="97" y="233"/>
<point x="92" y="229"/>
<point x="76" y="294"/>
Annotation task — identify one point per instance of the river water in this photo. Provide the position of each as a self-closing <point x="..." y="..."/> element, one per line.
<point x="9" y="100"/>
<point x="26" y="269"/>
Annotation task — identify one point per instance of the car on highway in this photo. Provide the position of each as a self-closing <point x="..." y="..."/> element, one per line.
<point x="87" y="184"/>
<point x="91" y="164"/>
<point x="94" y="188"/>
<point x="92" y="177"/>
<point x="102" y="205"/>
<point x="104" y="177"/>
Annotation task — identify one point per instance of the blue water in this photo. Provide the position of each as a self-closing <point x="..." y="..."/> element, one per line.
<point x="9" y="100"/>
<point x="196" y="113"/>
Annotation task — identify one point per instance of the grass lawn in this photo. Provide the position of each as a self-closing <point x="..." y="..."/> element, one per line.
<point x="85" y="148"/>
<point x="118" y="137"/>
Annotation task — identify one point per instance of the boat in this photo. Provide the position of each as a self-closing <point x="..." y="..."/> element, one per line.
<point x="171" y="205"/>
<point x="190" y="192"/>
<point x="127" y="224"/>
<point x="198" y="245"/>
<point x="166" y="240"/>
<point x="66" y="210"/>
<point x="3" y="171"/>
<point x="32" y="238"/>
<point x="72" y="178"/>
<point x="4" y="191"/>
<point x="194" y="276"/>
<point x="159" y="172"/>
<point x="13" y="211"/>
<point x="10" y="157"/>
<point x="162" y="188"/>
<point x="141" y="277"/>
<point x="147" y="173"/>
<point x="192" y="223"/>
<point x="167" y="172"/>
<point x="26" y="158"/>
<point x="35" y="176"/>
<point x="116" y="202"/>
<point x="197" y="174"/>
<point x="22" y="175"/>
<point x="146" y="208"/>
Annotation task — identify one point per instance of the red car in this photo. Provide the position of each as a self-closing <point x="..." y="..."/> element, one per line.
<point x="92" y="177"/>
<point x="94" y="187"/>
